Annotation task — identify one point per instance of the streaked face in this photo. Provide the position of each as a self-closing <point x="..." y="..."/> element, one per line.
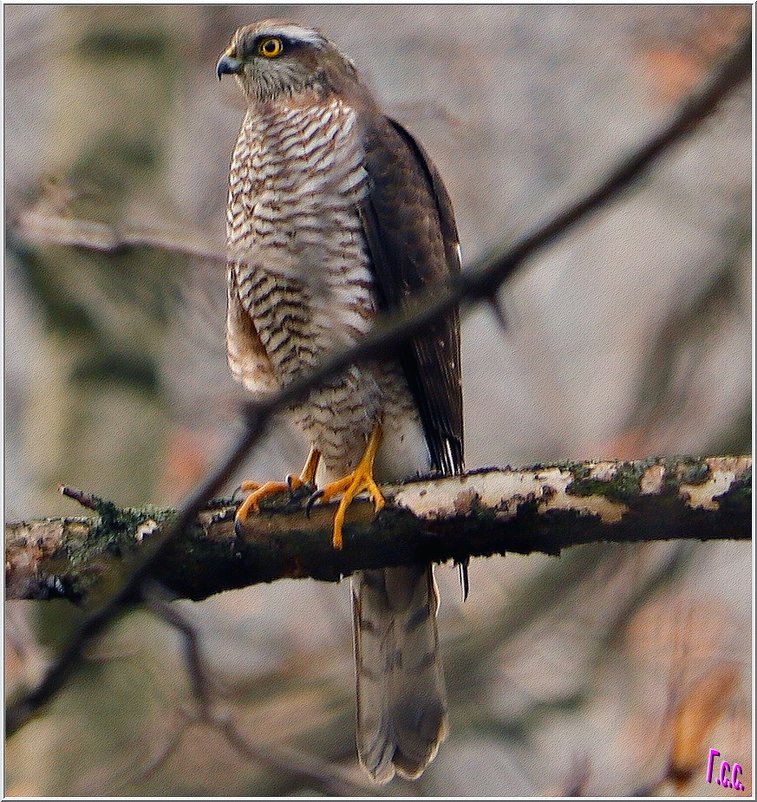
<point x="275" y="57"/>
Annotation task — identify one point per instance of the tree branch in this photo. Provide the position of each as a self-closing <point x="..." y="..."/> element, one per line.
<point x="45" y="225"/>
<point x="391" y="330"/>
<point x="541" y="509"/>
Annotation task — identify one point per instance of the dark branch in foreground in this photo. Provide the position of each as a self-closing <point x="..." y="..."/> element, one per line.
<point x="476" y="285"/>
<point x="542" y="509"/>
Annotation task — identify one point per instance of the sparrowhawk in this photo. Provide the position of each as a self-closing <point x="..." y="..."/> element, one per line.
<point x="335" y="213"/>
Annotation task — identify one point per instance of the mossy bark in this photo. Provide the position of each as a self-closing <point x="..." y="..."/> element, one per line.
<point x="540" y="509"/>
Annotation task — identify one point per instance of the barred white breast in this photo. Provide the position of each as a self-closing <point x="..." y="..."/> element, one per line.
<point x="299" y="268"/>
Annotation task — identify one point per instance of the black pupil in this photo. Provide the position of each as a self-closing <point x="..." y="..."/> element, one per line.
<point x="270" y="46"/>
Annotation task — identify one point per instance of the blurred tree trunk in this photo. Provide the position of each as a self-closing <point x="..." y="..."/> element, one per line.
<point x="114" y="82"/>
<point x="110" y="111"/>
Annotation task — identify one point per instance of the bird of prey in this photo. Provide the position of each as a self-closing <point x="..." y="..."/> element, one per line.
<point x="335" y="213"/>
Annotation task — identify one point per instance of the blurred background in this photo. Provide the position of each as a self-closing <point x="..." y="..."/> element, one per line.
<point x="631" y="338"/>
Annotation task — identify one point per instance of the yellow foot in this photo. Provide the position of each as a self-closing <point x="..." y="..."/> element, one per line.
<point x="351" y="485"/>
<point x="259" y="491"/>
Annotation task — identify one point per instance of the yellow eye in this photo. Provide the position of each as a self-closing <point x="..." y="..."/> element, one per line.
<point x="271" y="47"/>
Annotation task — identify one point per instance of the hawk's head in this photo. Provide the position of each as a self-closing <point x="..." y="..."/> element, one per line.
<point x="272" y="58"/>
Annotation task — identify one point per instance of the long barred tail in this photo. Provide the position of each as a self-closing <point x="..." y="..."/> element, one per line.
<point x="401" y="700"/>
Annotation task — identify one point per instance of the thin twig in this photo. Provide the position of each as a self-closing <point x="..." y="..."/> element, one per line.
<point x="78" y="495"/>
<point x="330" y="777"/>
<point x="43" y="225"/>
<point x="157" y="600"/>
<point x="313" y="770"/>
<point x="169" y="748"/>
<point x="391" y="330"/>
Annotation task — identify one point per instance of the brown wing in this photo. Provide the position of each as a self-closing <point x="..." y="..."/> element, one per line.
<point x="412" y="239"/>
<point x="246" y="355"/>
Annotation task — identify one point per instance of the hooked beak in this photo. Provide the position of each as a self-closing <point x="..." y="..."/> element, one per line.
<point x="228" y="65"/>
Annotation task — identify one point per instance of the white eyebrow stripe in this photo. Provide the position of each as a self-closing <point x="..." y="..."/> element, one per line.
<point x="298" y="34"/>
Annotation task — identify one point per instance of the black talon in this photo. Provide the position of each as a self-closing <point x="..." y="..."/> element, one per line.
<point x="462" y="567"/>
<point x="311" y="501"/>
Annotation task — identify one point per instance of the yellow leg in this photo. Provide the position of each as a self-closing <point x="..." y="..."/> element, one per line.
<point x="307" y="477"/>
<point x="260" y="491"/>
<point x="354" y="483"/>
